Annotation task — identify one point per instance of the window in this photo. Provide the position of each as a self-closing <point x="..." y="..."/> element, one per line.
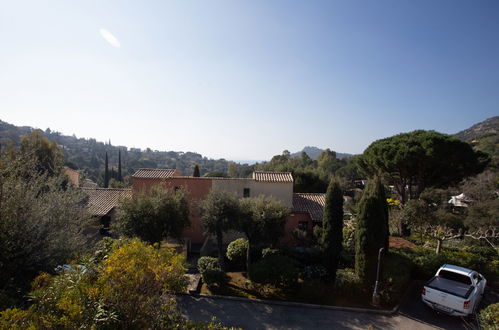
<point x="303" y="225"/>
<point x="246" y="192"/>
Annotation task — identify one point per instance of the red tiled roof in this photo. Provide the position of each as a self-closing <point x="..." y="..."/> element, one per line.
<point x="312" y="203"/>
<point x="273" y="176"/>
<point x="155" y="173"/>
<point x="102" y="200"/>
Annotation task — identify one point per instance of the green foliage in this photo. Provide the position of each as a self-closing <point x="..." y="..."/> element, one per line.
<point x="421" y="159"/>
<point x="331" y="240"/>
<point x="41" y="221"/>
<point x="315" y="272"/>
<point x="154" y="216"/>
<point x="211" y="272"/>
<point x="371" y="232"/>
<point x="49" y="158"/>
<point x="489" y="317"/>
<point x="347" y="283"/>
<point x="205" y="263"/>
<point x="130" y="289"/>
<point x="279" y="271"/>
<point x="236" y="251"/>
<point x="395" y="278"/>
<point x="262" y="220"/>
<point x="219" y="213"/>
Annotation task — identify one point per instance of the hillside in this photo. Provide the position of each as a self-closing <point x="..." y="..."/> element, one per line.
<point x="88" y="155"/>
<point x="314" y="152"/>
<point x="484" y="136"/>
<point x="487" y="127"/>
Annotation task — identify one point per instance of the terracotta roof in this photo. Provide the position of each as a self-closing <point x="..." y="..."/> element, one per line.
<point x="273" y="176"/>
<point x="155" y="173"/>
<point x="102" y="200"/>
<point x="312" y="203"/>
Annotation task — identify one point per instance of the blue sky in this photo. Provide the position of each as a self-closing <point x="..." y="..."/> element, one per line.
<point x="248" y="79"/>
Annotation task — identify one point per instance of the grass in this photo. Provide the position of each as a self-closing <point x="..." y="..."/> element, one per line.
<point x="311" y="292"/>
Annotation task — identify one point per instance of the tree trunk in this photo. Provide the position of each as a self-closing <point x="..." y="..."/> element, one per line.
<point x="220" y="249"/>
<point x="439" y="246"/>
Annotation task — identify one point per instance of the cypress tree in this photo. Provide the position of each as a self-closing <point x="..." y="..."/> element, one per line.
<point x="196" y="173"/>
<point x="371" y="232"/>
<point x="120" y="177"/>
<point x="106" y="174"/>
<point x="332" y="224"/>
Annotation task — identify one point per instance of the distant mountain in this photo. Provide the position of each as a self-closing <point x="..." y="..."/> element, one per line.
<point x="88" y="155"/>
<point x="487" y="127"/>
<point x="314" y="152"/>
<point x="484" y="136"/>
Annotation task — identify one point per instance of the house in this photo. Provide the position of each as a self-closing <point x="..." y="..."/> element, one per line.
<point x="102" y="203"/>
<point x="73" y="176"/>
<point x="305" y="209"/>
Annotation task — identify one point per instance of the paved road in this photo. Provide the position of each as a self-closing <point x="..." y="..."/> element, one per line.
<point x="413" y="314"/>
<point x="251" y="315"/>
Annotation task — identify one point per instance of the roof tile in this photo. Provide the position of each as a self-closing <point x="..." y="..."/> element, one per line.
<point x="312" y="203"/>
<point x="102" y="200"/>
<point x="273" y="176"/>
<point x="155" y="173"/>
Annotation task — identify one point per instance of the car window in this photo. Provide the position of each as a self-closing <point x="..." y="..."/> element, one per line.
<point x="455" y="277"/>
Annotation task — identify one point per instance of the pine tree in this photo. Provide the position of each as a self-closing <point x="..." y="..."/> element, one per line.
<point x="332" y="234"/>
<point x="120" y="177"/>
<point x="196" y="173"/>
<point x="106" y="173"/>
<point x="371" y="232"/>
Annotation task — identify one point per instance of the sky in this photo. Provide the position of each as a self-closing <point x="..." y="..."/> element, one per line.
<point x="245" y="80"/>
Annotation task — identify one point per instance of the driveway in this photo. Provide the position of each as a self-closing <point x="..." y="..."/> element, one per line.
<point x="253" y="315"/>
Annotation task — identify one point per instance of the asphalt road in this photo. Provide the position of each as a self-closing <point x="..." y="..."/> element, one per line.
<point x="252" y="315"/>
<point x="412" y="315"/>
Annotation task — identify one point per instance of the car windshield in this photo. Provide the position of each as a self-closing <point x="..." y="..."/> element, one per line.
<point x="455" y="277"/>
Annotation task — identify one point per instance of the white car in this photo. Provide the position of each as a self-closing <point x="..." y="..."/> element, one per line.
<point x="454" y="290"/>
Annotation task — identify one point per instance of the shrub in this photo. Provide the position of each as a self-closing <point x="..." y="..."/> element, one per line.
<point x="315" y="272"/>
<point x="205" y="263"/>
<point x="214" y="277"/>
<point x="489" y="317"/>
<point x="347" y="283"/>
<point x="211" y="272"/>
<point x="395" y="277"/>
<point x="275" y="270"/>
<point x="236" y="251"/>
<point x="131" y="289"/>
<point x="271" y="252"/>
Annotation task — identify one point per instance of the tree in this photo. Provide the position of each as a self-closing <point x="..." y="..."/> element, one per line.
<point x="430" y="219"/>
<point x="371" y="232"/>
<point x="154" y="216"/>
<point x="106" y="173"/>
<point x="262" y="220"/>
<point x="196" y="173"/>
<point x="120" y="177"/>
<point x="131" y="288"/>
<point x="219" y="213"/>
<point x="420" y="159"/>
<point x="41" y="220"/>
<point x="49" y="157"/>
<point x="332" y="224"/>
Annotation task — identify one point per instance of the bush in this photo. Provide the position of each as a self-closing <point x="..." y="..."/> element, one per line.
<point x="236" y="251"/>
<point x="132" y="289"/>
<point x="211" y="272"/>
<point x="205" y="263"/>
<point x="271" y="252"/>
<point x="395" y="277"/>
<point x="347" y="283"/>
<point x="315" y="272"/>
<point x="489" y="317"/>
<point x="214" y="277"/>
<point x="275" y="270"/>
